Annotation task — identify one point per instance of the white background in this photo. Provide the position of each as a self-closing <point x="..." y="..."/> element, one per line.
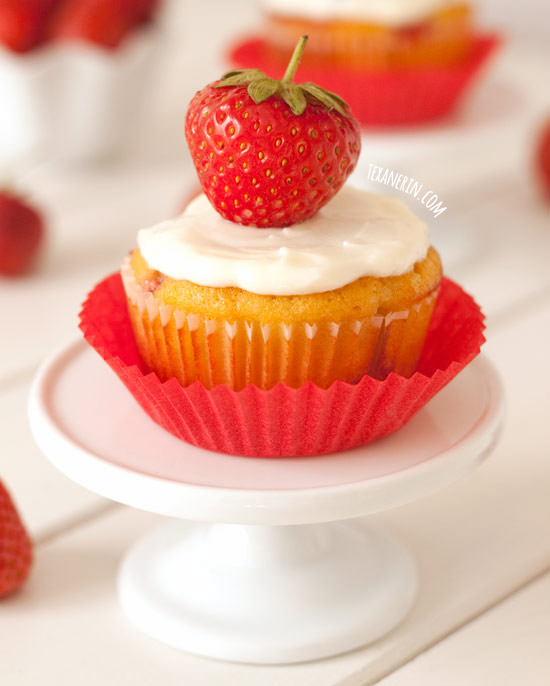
<point x="483" y="544"/>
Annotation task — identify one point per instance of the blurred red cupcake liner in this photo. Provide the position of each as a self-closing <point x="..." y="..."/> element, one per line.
<point x="401" y="96"/>
<point x="285" y="422"/>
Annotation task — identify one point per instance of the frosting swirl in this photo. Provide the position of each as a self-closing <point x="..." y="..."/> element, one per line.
<point x="356" y="234"/>
<point x="385" y="12"/>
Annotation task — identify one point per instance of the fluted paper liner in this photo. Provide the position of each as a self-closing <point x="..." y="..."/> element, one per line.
<point x="237" y="352"/>
<point x="284" y="421"/>
<point x="382" y="97"/>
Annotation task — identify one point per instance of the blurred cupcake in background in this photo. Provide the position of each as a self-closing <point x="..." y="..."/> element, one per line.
<point x="71" y="75"/>
<point x="394" y="61"/>
<point x="373" y="34"/>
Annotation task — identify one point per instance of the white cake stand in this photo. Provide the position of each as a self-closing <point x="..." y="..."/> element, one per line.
<point x="242" y="584"/>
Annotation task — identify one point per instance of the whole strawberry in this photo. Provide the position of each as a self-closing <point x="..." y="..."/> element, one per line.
<point x="15" y="546"/>
<point x="21" y="233"/>
<point x="270" y="153"/>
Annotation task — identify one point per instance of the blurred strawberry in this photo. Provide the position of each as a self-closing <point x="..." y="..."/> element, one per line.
<point x="104" y="22"/>
<point x="15" y="546"/>
<point x="94" y="21"/>
<point x="542" y="160"/>
<point x="21" y="233"/>
<point x="142" y="10"/>
<point x="23" y="23"/>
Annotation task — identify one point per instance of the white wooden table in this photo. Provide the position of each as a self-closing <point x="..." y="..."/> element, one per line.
<point x="483" y="545"/>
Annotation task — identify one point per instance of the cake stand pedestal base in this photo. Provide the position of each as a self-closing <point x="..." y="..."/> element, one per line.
<point x="267" y="594"/>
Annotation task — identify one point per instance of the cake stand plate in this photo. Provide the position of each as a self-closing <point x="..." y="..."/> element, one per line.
<point x="270" y="571"/>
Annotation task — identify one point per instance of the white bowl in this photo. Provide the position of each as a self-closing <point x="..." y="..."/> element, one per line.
<point x="71" y="102"/>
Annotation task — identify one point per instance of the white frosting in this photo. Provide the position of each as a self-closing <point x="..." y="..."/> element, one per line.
<point x="356" y="234"/>
<point x="386" y="12"/>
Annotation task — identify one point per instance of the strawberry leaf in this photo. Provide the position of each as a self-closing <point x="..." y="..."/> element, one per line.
<point x="262" y="89"/>
<point x="240" y="78"/>
<point x="294" y="97"/>
<point x="330" y="100"/>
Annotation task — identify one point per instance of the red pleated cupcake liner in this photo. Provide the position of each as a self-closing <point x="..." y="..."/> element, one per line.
<point x="385" y="97"/>
<point x="285" y="422"/>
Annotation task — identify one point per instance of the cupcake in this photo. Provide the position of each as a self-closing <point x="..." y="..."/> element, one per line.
<point x="283" y="313"/>
<point x="373" y="34"/>
<point x="346" y="293"/>
<point x="274" y="274"/>
<point x="394" y="61"/>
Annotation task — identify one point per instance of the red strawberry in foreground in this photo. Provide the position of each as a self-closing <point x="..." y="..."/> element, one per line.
<point x="542" y="160"/>
<point x="270" y="153"/>
<point x="21" y="233"/>
<point x="15" y="546"/>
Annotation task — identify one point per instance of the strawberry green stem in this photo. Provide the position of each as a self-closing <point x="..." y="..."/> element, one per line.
<point x="295" y="60"/>
<point x="297" y="96"/>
